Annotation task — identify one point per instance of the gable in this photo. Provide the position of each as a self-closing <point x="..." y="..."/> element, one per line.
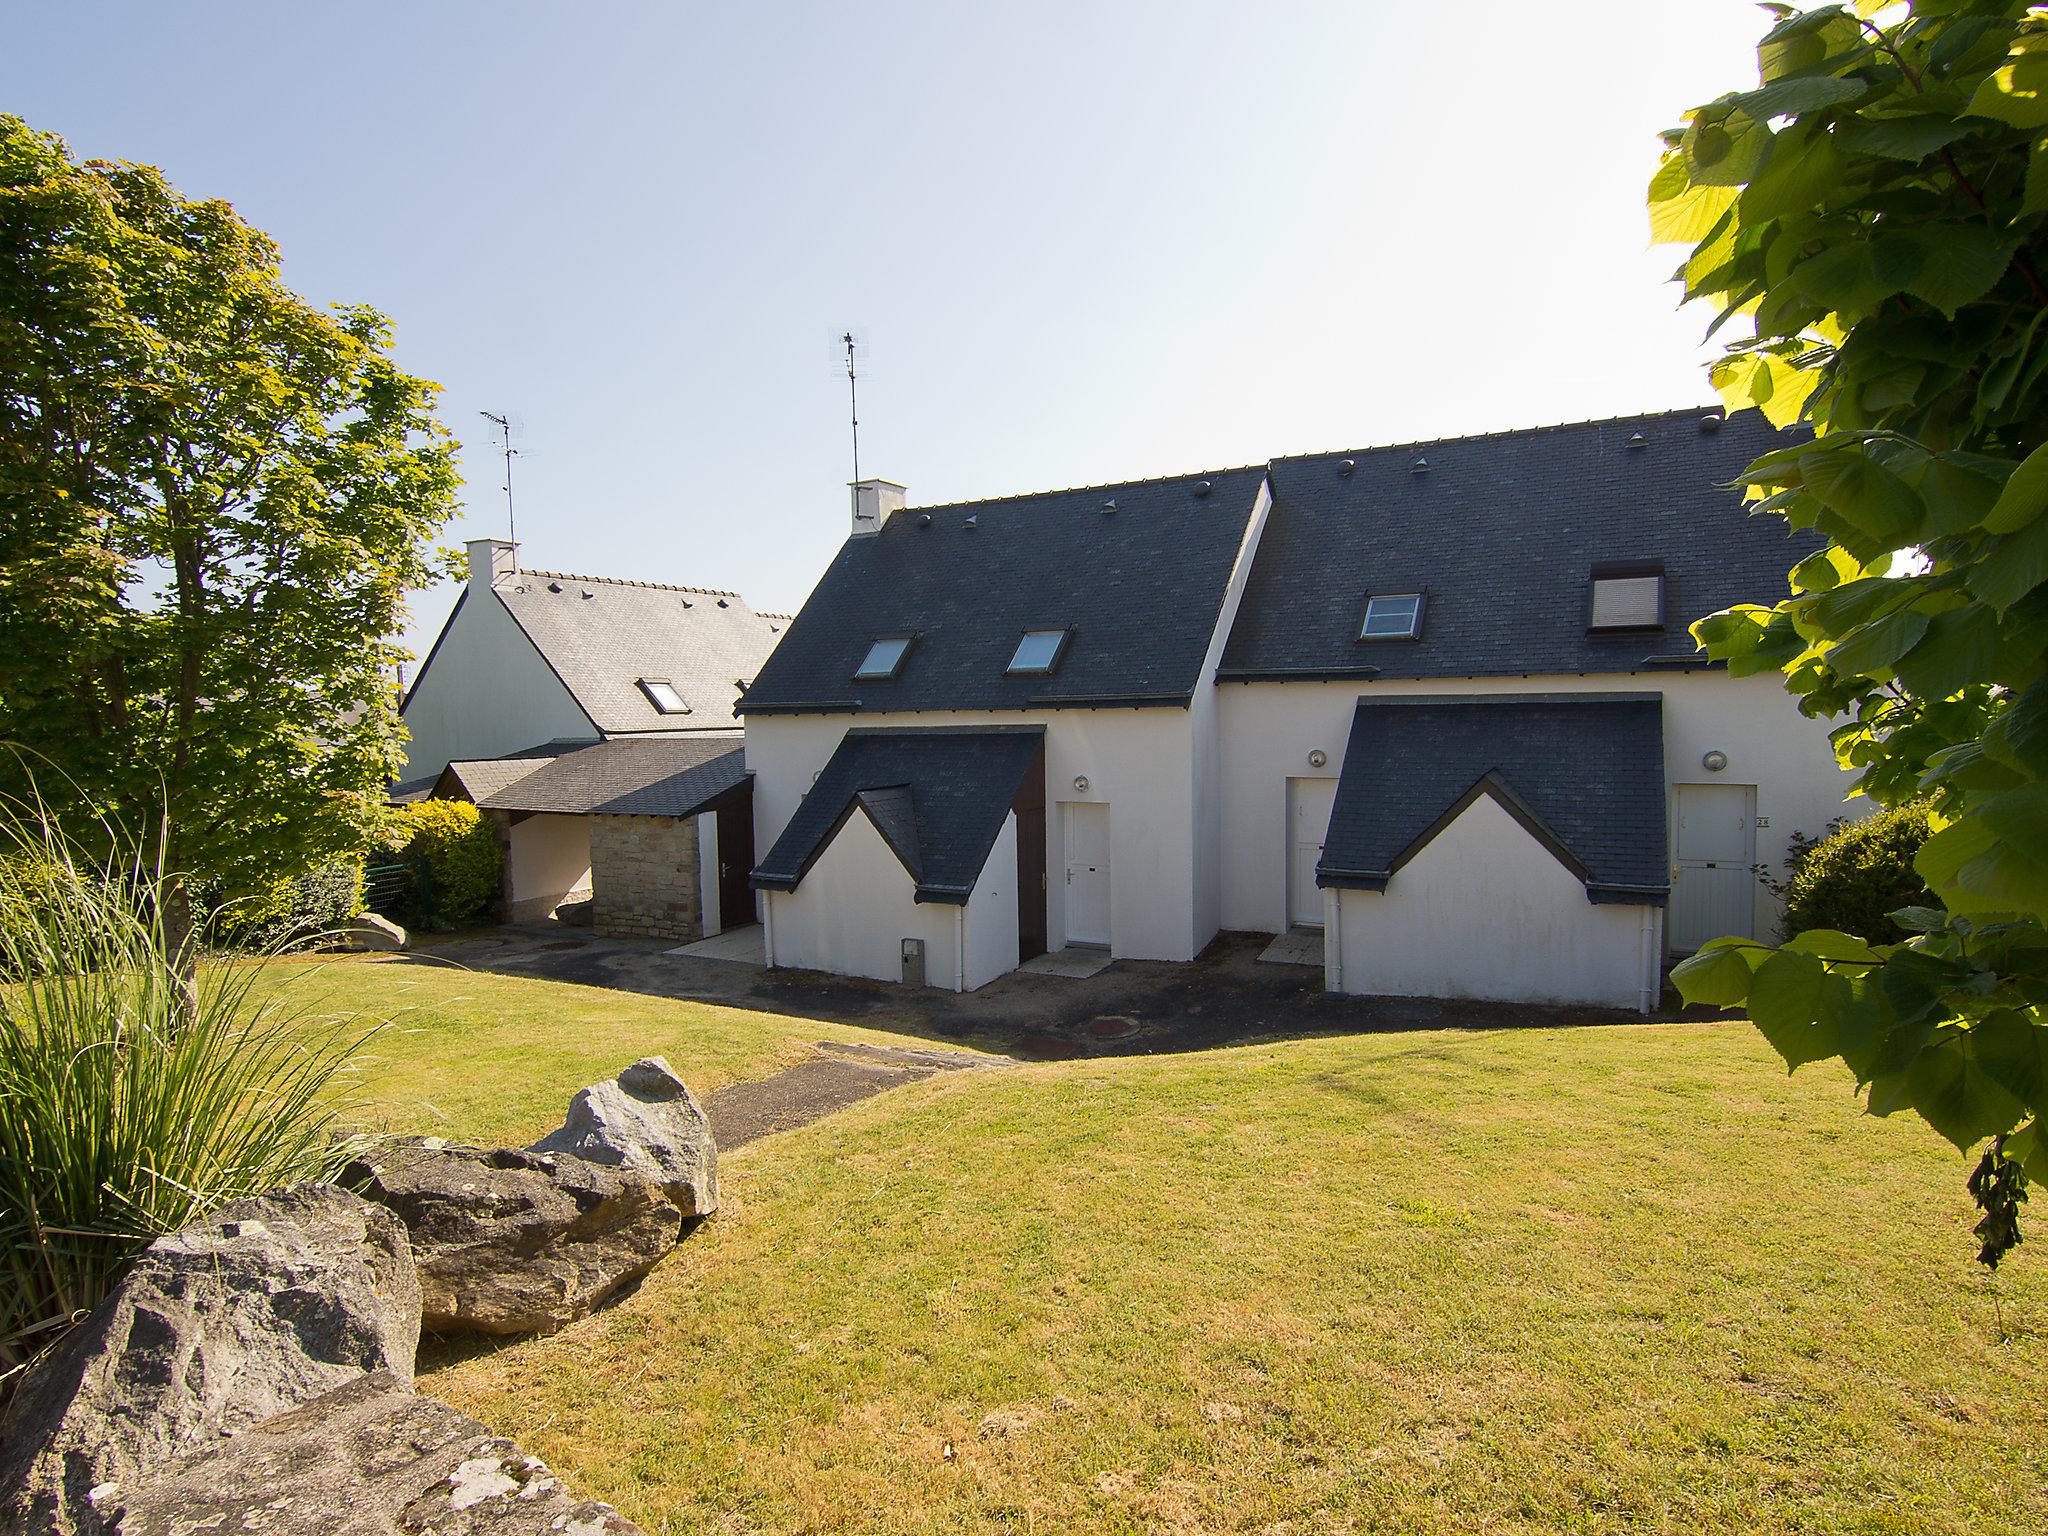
<point x="484" y="691"/>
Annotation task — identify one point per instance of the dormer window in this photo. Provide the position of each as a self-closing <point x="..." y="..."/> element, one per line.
<point x="1627" y="597"/>
<point x="1392" y="616"/>
<point x="1038" y="652"/>
<point x="884" y="659"/>
<point x="661" y="693"/>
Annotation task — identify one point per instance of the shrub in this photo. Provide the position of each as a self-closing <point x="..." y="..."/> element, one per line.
<point x="454" y="851"/>
<point x="1852" y="879"/>
<point x="130" y="1105"/>
<point x="319" y="901"/>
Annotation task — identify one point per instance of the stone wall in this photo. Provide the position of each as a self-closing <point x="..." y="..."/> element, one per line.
<point x="643" y="874"/>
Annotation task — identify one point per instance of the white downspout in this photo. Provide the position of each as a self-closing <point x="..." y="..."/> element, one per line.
<point x="768" y="927"/>
<point x="1333" y="939"/>
<point x="960" y="948"/>
<point x="1651" y="970"/>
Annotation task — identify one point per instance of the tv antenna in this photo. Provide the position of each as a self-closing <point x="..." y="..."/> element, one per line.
<point x="853" y="401"/>
<point x="504" y="426"/>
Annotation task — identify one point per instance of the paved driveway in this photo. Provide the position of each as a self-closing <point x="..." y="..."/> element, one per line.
<point x="1225" y="997"/>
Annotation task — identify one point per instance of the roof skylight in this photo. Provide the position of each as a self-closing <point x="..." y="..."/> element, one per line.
<point x="1392" y="616"/>
<point x="1038" y="651"/>
<point x="884" y="658"/>
<point x="661" y="693"/>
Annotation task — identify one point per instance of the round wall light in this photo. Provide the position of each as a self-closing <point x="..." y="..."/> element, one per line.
<point x="1081" y="783"/>
<point x="1714" y="761"/>
<point x="1318" y="758"/>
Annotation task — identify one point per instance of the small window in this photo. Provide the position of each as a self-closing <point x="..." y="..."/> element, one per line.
<point x="1392" y="616"/>
<point x="661" y="693"/>
<point x="884" y="658"/>
<point x="1038" y="650"/>
<point x="1628" y="597"/>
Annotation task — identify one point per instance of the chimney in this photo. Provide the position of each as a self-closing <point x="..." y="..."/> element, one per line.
<point x="873" y="501"/>
<point x="490" y="562"/>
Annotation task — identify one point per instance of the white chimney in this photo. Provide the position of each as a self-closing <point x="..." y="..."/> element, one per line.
<point x="490" y="562"/>
<point x="873" y="501"/>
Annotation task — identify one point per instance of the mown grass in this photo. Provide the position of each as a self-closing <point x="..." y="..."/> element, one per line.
<point x="1625" y="1279"/>
<point x="492" y="1060"/>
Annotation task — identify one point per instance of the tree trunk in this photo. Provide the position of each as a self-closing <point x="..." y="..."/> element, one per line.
<point x="181" y="943"/>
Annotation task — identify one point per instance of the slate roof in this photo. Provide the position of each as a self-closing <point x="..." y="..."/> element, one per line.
<point x="938" y="797"/>
<point x="1584" y="772"/>
<point x="1141" y="586"/>
<point x="628" y="776"/>
<point x="1501" y="534"/>
<point x="602" y="636"/>
<point x="478" y="777"/>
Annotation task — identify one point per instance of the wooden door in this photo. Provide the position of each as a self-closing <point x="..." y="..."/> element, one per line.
<point x="1713" y="889"/>
<point x="736" y="858"/>
<point x="1308" y="823"/>
<point x="1087" y="874"/>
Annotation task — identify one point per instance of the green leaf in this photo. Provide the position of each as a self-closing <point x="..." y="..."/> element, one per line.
<point x="1957" y="265"/>
<point x="1835" y="947"/>
<point x="1900" y="138"/>
<point x="1956" y="1093"/>
<point x="1824" y="570"/>
<point x="1959" y="648"/>
<point x="1920" y="919"/>
<point x="1796" y="1004"/>
<point x="1874" y="500"/>
<point x="2019" y="737"/>
<point x="2025" y="495"/>
<point x="1873" y="650"/>
<point x="1845" y="278"/>
<point x="1725" y="153"/>
<point x="2017" y="91"/>
<point x="1956" y="494"/>
<point x="1719" y="975"/>
<point x="2029" y="1147"/>
<point x="2014" y="565"/>
<point x="2013" y="1049"/>
<point x="1800" y="173"/>
<point x="1789" y="98"/>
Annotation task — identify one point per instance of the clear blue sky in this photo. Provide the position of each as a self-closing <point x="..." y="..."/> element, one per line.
<point x="1086" y="242"/>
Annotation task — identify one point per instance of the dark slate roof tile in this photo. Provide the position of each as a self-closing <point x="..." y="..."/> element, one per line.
<point x="626" y="776"/>
<point x="938" y="797"/>
<point x="1584" y="770"/>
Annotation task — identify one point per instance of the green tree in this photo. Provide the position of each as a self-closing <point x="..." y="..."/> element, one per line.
<point x="1871" y="213"/>
<point x="213" y="499"/>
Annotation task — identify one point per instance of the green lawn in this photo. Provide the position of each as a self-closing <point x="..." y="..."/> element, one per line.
<point x="492" y="1060"/>
<point x="1625" y="1279"/>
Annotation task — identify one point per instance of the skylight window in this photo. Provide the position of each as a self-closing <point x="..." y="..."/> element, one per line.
<point x="1038" y="651"/>
<point x="661" y="693"/>
<point x="884" y="658"/>
<point x="1392" y="616"/>
<point x="1628" y="597"/>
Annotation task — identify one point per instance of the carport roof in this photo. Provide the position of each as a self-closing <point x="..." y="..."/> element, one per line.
<point x="1582" y="772"/>
<point x="626" y="776"/>
<point x="937" y="796"/>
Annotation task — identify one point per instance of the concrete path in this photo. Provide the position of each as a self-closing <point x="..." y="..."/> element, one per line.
<point x="841" y="1074"/>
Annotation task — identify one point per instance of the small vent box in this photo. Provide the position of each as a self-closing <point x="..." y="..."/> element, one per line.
<point x="913" y="962"/>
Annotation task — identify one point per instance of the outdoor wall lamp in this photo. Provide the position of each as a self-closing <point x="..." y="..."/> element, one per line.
<point x="1317" y="758"/>
<point x="1714" y="761"/>
<point x="1081" y="783"/>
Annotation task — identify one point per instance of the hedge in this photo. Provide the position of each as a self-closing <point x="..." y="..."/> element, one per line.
<point x="458" y="865"/>
<point x="1853" y="879"/>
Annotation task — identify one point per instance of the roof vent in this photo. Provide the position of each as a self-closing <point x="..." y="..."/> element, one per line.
<point x="924" y="519"/>
<point x="1109" y="506"/>
<point x="1710" y="423"/>
<point x="1637" y="440"/>
<point x="972" y="522"/>
<point x="1201" y="487"/>
<point x="554" y="586"/>
<point x="723" y="603"/>
<point x="1420" y="466"/>
<point x="586" y="594"/>
<point x="688" y="604"/>
<point x="1346" y="466"/>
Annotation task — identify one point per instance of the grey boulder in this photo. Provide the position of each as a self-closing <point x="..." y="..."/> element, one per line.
<point x="645" y="1119"/>
<point x="516" y="1242"/>
<point x="263" y="1305"/>
<point x="367" y="1459"/>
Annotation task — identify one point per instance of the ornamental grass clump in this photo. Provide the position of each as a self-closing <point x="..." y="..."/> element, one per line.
<point x="132" y="1102"/>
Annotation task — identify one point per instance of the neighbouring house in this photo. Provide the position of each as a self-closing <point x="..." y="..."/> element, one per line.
<point x="1433" y="705"/>
<point x="593" y="721"/>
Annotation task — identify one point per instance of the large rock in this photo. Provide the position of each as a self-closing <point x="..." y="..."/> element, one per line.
<point x="265" y="1304"/>
<point x="367" y="1459"/>
<point x="516" y="1242"/>
<point x="645" y="1119"/>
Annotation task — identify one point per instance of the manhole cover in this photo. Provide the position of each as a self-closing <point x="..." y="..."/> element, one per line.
<point x="1110" y="1026"/>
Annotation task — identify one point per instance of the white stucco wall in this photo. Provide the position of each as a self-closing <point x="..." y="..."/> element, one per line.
<point x="1486" y="911"/>
<point x="486" y="692"/>
<point x="707" y="872"/>
<point x="1135" y="760"/>
<point x="855" y="908"/>
<point x="548" y="859"/>
<point x="1267" y="730"/>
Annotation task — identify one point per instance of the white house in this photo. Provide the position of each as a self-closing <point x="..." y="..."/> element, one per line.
<point x="1436" y="703"/>
<point x="594" y="720"/>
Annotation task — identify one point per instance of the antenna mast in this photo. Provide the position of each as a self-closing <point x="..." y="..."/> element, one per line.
<point x="504" y="426"/>
<point x="853" y="400"/>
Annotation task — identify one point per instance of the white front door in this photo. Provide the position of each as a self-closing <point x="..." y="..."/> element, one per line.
<point x="1087" y="901"/>
<point x="1308" y="823"/>
<point x="1713" y="891"/>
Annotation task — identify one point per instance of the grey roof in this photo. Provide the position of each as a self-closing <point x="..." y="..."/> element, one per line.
<point x="1501" y="534"/>
<point x="937" y="796"/>
<point x="479" y="777"/>
<point x="629" y="776"/>
<point x="1140" y="585"/>
<point x="601" y="637"/>
<point x="1584" y="772"/>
